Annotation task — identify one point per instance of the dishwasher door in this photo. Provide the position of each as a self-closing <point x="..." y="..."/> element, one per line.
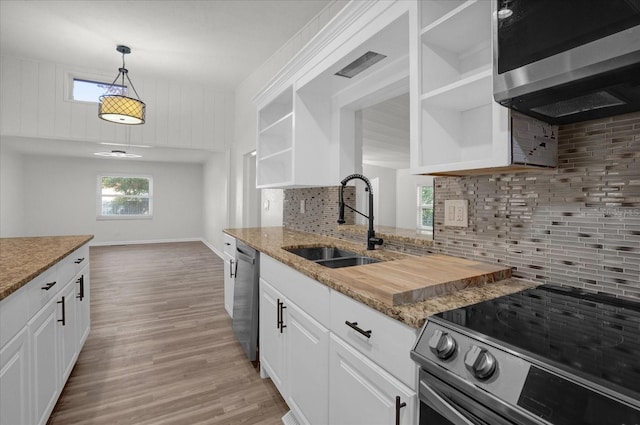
<point x="246" y="299"/>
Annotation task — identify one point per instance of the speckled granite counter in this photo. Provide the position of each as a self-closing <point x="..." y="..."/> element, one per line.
<point x="414" y="236"/>
<point x="22" y="259"/>
<point x="272" y="240"/>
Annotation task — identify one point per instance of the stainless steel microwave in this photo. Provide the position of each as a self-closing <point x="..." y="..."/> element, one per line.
<point x="565" y="61"/>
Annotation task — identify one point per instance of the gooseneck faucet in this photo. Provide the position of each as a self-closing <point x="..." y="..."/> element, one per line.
<point x="372" y="241"/>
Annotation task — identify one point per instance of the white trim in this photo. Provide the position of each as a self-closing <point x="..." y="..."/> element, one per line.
<point x="153" y="241"/>
<point x="213" y="248"/>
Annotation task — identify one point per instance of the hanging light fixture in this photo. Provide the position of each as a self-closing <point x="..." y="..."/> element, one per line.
<point x="115" y="106"/>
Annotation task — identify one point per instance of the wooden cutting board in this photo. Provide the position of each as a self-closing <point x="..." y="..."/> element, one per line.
<point x="417" y="279"/>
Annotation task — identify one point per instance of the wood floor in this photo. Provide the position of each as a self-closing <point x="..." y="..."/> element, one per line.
<point x="161" y="348"/>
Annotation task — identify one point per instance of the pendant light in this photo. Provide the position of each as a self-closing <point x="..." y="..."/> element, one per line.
<point x="116" y="107"/>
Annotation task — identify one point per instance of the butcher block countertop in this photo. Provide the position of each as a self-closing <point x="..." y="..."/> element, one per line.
<point x="404" y="287"/>
<point x="22" y="259"/>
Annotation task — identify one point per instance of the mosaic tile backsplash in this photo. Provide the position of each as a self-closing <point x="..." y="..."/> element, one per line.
<point x="578" y="225"/>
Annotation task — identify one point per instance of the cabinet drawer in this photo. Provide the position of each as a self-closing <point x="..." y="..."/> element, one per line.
<point x="311" y="296"/>
<point x="43" y="288"/>
<point x="71" y="265"/>
<point x="389" y="342"/>
<point x="229" y="245"/>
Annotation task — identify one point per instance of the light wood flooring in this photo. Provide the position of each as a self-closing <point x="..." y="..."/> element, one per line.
<point x="161" y="348"/>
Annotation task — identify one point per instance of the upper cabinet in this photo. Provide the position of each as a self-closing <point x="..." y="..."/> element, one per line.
<point x="457" y="127"/>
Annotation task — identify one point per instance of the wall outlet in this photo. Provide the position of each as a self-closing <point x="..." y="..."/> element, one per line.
<point x="456" y="213"/>
<point x="303" y="206"/>
<point x="265" y="205"/>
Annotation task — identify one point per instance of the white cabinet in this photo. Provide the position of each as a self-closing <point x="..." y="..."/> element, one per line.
<point x="14" y="380"/>
<point x="327" y="371"/>
<point x="362" y="393"/>
<point x="44" y="326"/>
<point x="45" y="363"/>
<point x="230" y="268"/>
<point x="294" y="346"/>
<point x="457" y="127"/>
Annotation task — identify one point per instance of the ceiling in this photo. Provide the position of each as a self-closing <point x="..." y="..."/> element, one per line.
<point x="217" y="43"/>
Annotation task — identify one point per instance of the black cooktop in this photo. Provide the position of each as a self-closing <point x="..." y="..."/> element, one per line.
<point x="594" y="336"/>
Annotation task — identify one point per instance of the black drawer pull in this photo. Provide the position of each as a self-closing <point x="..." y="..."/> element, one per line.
<point x="233" y="273"/>
<point x="63" y="312"/>
<point x="398" y="407"/>
<point x="354" y="326"/>
<point x="48" y="286"/>
<point x="79" y="260"/>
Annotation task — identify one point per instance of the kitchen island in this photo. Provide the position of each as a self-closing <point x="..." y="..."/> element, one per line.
<point x="273" y="241"/>
<point x="22" y="259"/>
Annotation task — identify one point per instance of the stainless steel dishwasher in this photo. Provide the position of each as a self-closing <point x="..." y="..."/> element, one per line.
<point x="246" y="299"/>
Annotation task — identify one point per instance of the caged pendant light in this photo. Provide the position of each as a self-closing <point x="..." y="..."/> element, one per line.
<point x="116" y="107"/>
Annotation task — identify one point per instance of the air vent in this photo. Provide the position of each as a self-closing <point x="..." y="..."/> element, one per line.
<point x="360" y="64"/>
<point x="579" y="104"/>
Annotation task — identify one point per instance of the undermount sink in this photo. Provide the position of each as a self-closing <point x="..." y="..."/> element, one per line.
<point x="332" y="257"/>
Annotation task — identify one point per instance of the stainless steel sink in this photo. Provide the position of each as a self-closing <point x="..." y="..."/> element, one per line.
<point x="316" y="253"/>
<point x="332" y="257"/>
<point x="348" y="261"/>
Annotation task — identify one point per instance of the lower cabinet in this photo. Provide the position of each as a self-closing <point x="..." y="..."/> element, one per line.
<point x="294" y="353"/>
<point x="230" y="268"/>
<point x="323" y="378"/>
<point x="362" y="393"/>
<point x="14" y="380"/>
<point x="37" y="361"/>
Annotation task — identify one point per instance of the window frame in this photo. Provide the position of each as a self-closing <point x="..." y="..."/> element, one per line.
<point x="421" y="206"/>
<point x="92" y="78"/>
<point x="100" y="216"/>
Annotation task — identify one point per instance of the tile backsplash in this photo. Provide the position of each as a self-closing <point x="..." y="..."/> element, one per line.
<point x="577" y="225"/>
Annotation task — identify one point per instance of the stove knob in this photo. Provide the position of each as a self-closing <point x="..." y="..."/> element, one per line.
<point x="442" y="344"/>
<point x="480" y="362"/>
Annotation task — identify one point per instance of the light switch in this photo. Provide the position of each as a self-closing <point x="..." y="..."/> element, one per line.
<point x="266" y="205"/>
<point x="456" y="213"/>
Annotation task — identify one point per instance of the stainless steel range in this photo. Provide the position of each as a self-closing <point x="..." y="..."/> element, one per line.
<point x="546" y="355"/>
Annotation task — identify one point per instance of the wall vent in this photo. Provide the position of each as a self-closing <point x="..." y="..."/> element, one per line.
<point x="360" y="64"/>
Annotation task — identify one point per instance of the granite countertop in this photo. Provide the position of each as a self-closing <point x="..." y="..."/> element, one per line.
<point x="272" y="240"/>
<point x="414" y="236"/>
<point x="23" y="259"/>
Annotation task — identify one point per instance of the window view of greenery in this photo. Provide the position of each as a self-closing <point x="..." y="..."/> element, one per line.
<point x="425" y="207"/>
<point x="125" y="196"/>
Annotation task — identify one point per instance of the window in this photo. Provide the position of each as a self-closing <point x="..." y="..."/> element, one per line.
<point x="124" y="197"/>
<point x="90" y="91"/>
<point x="425" y="207"/>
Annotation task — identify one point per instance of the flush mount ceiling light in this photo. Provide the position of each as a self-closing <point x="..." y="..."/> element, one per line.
<point x="115" y="106"/>
<point x="118" y="154"/>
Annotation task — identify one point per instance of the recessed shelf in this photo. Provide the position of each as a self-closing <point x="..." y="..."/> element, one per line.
<point x="462" y="95"/>
<point x="280" y="126"/>
<point x="284" y="152"/>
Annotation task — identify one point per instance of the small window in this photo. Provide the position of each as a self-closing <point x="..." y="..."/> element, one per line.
<point x="90" y="91"/>
<point x="425" y="207"/>
<point x="124" y="197"/>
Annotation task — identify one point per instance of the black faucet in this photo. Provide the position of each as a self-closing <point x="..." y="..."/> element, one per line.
<point x="372" y="241"/>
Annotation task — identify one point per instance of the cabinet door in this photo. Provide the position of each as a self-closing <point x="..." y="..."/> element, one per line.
<point x="67" y="322"/>
<point x="229" y="282"/>
<point x="14" y="380"/>
<point x="272" y="335"/>
<point x="307" y="366"/>
<point x="83" y="308"/>
<point x="45" y="364"/>
<point x="362" y="393"/>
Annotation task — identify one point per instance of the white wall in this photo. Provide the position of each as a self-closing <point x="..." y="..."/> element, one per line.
<point x="60" y="199"/>
<point x="11" y="194"/>
<point x="384" y="196"/>
<point x="215" y="200"/>
<point x="407" y="198"/>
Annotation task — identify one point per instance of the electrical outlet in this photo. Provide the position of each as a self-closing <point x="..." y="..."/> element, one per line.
<point x="456" y="213"/>
<point x="266" y="205"/>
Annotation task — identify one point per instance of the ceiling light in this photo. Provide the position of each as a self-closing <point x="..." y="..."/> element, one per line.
<point x="128" y="145"/>
<point x="505" y="10"/>
<point x="115" y="106"/>
<point x="118" y="154"/>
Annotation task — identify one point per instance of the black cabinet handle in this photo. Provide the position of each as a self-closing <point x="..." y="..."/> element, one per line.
<point x="281" y="324"/>
<point x="48" y="286"/>
<point x="398" y="407"/>
<point x="233" y="273"/>
<point x="227" y="243"/>
<point x="63" y="312"/>
<point x="80" y="295"/>
<point x="79" y="260"/>
<point x="354" y="326"/>
<point x="278" y="312"/>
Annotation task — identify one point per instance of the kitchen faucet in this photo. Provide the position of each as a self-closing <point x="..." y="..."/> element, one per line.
<point x="372" y="241"/>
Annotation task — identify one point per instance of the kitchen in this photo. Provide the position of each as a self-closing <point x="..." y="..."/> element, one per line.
<point x="575" y="225"/>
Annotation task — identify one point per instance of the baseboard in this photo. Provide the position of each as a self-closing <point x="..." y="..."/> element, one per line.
<point x="212" y="248"/>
